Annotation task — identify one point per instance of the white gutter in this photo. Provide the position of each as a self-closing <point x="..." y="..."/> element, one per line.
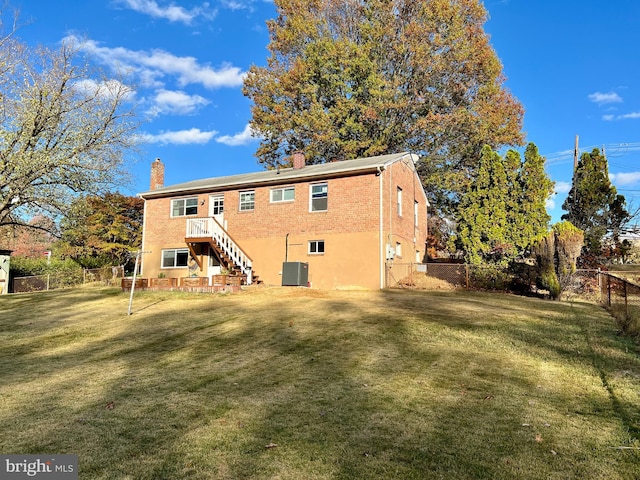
<point x="381" y="235"/>
<point x="144" y="229"/>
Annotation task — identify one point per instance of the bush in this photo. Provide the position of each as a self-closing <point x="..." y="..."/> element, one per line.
<point x="490" y="277"/>
<point x="64" y="273"/>
<point x="549" y="281"/>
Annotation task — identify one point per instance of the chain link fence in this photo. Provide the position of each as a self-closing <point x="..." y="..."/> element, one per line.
<point x="618" y="292"/>
<point x="622" y="298"/>
<point x="107" y="276"/>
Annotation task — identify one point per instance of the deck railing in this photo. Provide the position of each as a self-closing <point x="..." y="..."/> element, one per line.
<point x="210" y="228"/>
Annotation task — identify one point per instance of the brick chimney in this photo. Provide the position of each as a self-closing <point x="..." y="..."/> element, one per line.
<point x="298" y="160"/>
<point x="157" y="174"/>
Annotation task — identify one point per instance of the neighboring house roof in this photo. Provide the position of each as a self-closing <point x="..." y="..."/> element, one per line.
<point x="281" y="176"/>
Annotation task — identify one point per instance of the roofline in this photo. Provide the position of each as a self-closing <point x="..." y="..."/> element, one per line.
<point x="302" y="177"/>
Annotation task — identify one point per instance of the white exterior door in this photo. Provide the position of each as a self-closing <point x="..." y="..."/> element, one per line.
<point x="216" y="208"/>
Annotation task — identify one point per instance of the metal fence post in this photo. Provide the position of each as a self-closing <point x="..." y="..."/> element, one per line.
<point x="466" y="269"/>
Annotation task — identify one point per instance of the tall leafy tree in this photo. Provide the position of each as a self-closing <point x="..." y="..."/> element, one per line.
<point x="64" y="129"/>
<point x="102" y="230"/>
<point x="593" y="203"/>
<point x="351" y="78"/>
<point x="503" y="211"/>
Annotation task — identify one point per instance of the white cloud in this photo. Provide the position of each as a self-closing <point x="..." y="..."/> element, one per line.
<point x="150" y="66"/>
<point x="181" y="137"/>
<point x="629" y="115"/>
<point x="604" y="98"/>
<point x="234" y="5"/>
<point x="562" y="187"/>
<point x="625" y="179"/>
<point x="171" y="12"/>
<point x="108" y="89"/>
<point x="176" y="103"/>
<point x="243" y="138"/>
<point x="551" y="203"/>
<point x="625" y="116"/>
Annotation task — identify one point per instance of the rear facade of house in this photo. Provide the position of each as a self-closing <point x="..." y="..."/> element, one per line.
<point x="340" y="221"/>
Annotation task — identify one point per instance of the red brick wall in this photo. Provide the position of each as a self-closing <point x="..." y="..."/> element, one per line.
<point x="403" y="229"/>
<point x="350" y="226"/>
<point x="352" y="207"/>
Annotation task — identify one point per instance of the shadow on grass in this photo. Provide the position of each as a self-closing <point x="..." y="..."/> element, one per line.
<point x="388" y="385"/>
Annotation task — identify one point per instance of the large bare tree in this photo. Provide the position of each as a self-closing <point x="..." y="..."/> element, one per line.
<point x="65" y="128"/>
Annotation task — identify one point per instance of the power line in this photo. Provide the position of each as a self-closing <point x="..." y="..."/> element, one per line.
<point x="613" y="150"/>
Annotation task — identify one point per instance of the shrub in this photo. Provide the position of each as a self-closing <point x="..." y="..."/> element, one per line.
<point x="490" y="277"/>
<point x="63" y="273"/>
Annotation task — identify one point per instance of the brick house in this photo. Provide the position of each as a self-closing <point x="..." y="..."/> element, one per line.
<point x="344" y="220"/>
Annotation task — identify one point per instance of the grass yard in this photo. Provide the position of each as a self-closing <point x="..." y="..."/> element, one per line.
<point x="303" y="384"/>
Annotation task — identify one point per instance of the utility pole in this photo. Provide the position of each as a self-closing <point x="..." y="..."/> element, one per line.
<point x="575" y="155"/>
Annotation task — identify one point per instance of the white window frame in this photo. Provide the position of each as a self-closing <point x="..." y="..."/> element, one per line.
<point x="182" y="209"/>
<point x="217" y="204"/>
<point x="243" y="204"/>
<point x="175" y="257"/>
<point x="315" y="246"/>
<point x="318" y="196"/>
<point x="283" y="194"/>
<point x="399" y="201"/>
<point x="398" y="249"/>
<point x="416" y="209"/>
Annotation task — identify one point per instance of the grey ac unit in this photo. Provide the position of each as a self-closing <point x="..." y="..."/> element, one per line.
<point x="295" y="274"/>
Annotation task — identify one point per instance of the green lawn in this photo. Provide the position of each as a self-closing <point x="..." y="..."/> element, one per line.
<point x="301" y="384"/>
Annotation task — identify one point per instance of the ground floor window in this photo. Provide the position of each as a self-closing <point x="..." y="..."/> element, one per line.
<point x="175" y="257"/>
<point x="316" y="247"/>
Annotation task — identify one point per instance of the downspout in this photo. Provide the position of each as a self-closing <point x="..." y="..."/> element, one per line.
<point x="286" y="248"/>
<point x="382" y="249"/>
<point x="144" y="230"/>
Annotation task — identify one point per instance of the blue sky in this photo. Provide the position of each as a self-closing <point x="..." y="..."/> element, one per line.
<point x="573" y="64"/>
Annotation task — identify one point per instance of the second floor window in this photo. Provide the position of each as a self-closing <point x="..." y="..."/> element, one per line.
<point x="247" y="200"/>
<point x="286" y="194"/>
<point x="319" y="197"/>
<point x="184" y="206"/>
<point x="399" y="201"/>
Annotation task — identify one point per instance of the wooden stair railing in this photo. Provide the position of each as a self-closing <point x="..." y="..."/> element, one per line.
<point x="209" y="230"/>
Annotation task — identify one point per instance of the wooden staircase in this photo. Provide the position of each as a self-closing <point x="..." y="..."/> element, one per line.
<point x="233" y="258"/>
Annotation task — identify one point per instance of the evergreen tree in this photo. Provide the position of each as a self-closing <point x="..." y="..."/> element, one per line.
<point x="556" y="254"/>
<point x="504" y="209"/>
<point x="353" y="78"/>
<point x="593" y="204"/>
